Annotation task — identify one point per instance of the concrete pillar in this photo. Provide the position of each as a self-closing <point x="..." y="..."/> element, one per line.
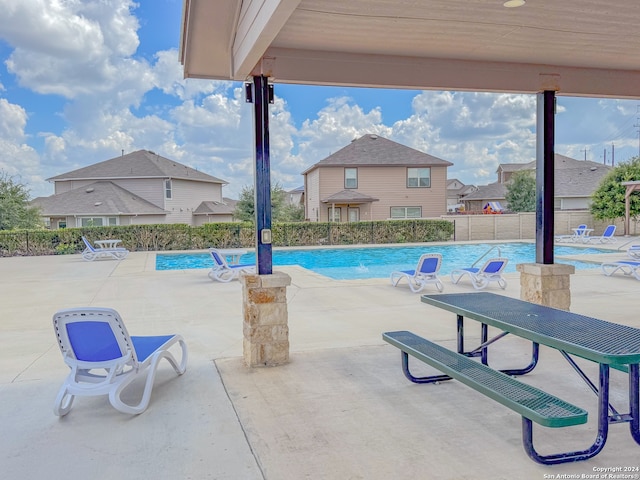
<point x="266" y="329"/>
<point x="546" y="284"/>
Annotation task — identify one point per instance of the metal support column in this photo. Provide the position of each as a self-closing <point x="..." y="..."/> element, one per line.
<point x="262" y="96"/>
<point x="545" y="176"/>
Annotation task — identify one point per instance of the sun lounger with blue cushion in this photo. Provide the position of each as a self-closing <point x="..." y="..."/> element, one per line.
<point x="92" y="253"/>
<point x="491" y="271"/>
<point x="580" y="233"/>
<point x="630" y="268"/>
<point x="105" y="360"/>
<point x="426" y="272"/>
<point x="606" y="237"/>
<point x="223" y="272"/>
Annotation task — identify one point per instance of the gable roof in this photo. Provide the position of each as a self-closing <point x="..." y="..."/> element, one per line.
<point x="493" y="191"/>
<point x="573" y="178"/>
<point x="511" y="167"/>
<point x="98" y="198"/>
<point x="349" y="196"/>
<point x="138" y="164"/>
<point x="562" y="162"/>
<point x="214" y="208"/>
<point x="372" y="150"/>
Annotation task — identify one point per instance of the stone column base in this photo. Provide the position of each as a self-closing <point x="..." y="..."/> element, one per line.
<point x="266" y="330"/>
<point x="548" y="285"/>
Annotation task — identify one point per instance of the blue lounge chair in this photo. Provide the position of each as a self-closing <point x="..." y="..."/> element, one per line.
<point x="425" y="272"/>
<point x="606" y="237"/>
<point x="491" y="271"/>
<point x="223" y="272"/>
<point x="104" y="359"/>
<point x="628" y="267"/>
<point x="580" y="233"/>
<point x="91" y="253"/>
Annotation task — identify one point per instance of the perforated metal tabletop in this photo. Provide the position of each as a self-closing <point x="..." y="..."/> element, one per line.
<point x="591" y="338"/>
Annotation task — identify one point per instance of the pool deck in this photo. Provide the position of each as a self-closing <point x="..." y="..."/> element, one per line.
<point x="341" y="409"/>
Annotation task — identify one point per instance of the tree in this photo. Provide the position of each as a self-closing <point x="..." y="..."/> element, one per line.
<point x="15" y="211"/>
<point x="521" y="192"/>
<point x="607" y="202"/>
<point x="281" y="211"/>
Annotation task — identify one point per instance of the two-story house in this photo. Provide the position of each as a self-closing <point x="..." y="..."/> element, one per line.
<point x="456" y="190"/>
<point x="141" y="187"/>
<point x="374" y="178"/>
<point x="575" y="182"/>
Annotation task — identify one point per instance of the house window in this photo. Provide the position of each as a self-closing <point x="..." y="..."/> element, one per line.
<point x="354" y="214"/>
<point x="167" y="189"/>
<point x="98" y="221"/>
<point x="406" y="212"/>
<point x="350" y="178"/>
<point x="334" y="214"/>
<point x="418" y="177"/>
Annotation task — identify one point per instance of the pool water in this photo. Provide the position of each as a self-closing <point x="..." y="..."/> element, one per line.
<point x="379" y="262"/>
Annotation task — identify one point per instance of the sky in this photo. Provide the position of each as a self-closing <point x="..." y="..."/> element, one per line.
<point x="81" y="81"/>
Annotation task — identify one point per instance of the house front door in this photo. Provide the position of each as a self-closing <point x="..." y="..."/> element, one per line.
<point x="354" y="214"/>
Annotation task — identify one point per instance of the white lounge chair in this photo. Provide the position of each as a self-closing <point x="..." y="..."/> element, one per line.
<point x="580" y="233"/>
<point x="606" y="237"/>
<point x="107" y="250"/>
<point x="628" y="267"/>
<point x="491" y="271"/>
<point x="634" y="251"/>
<point x="223" y="272"/>
<point x="426" y="272"/>
<point x="104" y="359"/>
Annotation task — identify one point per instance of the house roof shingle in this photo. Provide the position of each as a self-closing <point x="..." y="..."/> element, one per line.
<point x="373" y="150"/>
<point x="138" y="164"/>
<point x="214" y="208"/>
<point x="349" y="196"/>
<point x="573" y="178"/>
<point x="98" y="198"/>
<point x="493" y="191"/>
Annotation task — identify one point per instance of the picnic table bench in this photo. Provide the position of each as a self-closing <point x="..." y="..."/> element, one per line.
<point x="608" y="344"/>
<point x="528" y="401"/>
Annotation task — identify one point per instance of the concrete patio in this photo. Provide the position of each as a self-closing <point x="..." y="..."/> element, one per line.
<point x="341" y="409"/>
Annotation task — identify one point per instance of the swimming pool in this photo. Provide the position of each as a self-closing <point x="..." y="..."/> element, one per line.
<point x="379" y="262"/>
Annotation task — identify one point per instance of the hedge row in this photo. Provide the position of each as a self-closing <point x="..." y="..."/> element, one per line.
<point x="223" y="235"/>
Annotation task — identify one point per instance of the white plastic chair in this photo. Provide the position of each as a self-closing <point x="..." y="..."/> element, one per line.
<point x="90" y="253"/>
<point x="491" y="271"/>
<point x="223" y="272"/>
<point x="104" y="359"/>
<point x="426" y="272"/>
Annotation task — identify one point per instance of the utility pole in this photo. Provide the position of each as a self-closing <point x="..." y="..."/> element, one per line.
<point x="613" y="158"/>
<point x="605" y="156"/>
<point x="585" y="153"/>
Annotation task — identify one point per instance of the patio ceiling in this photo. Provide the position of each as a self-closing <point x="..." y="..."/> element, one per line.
<point x="575" y="47"/>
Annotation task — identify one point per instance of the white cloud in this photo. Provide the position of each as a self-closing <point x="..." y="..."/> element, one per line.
<point x="335" y="126"/>
<point x="72" y="47"/>
<point x="17" y="158"/>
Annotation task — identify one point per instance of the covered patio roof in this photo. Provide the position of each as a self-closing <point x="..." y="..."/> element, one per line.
<point x="573" y="47"/>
